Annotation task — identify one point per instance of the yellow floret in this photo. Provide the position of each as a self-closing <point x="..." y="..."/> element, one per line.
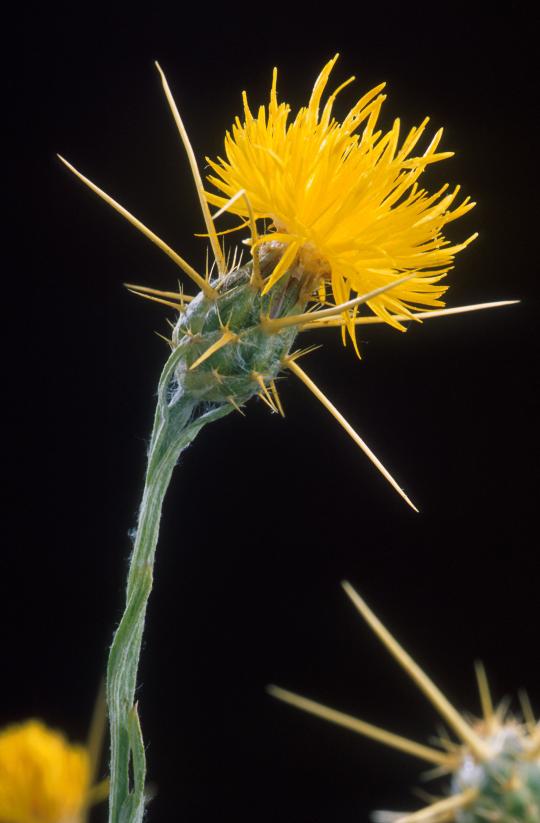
<point x="343" y="198"/>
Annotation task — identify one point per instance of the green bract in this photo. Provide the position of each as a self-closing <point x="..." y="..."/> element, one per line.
<point x="508" y="785"/>
<point x="251" y="353"/>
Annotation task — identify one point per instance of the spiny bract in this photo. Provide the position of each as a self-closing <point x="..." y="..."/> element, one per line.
<point x="506" y="787"/>
<point x="494" y="769"/>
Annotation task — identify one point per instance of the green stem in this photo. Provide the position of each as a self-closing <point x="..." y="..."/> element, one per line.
<point x="176" y="424"/>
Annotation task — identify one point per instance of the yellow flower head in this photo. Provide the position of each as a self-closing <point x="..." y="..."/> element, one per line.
<point x="43" y="778"/>
<point x="343" y="198"/>
<point x="346" y="212"/>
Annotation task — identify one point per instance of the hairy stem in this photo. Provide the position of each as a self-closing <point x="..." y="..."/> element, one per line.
<point x="178" y="420"/>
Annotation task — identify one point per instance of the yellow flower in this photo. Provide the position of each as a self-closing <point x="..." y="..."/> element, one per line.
<point x="343" y="198"/>
<point x="43" y="778"/>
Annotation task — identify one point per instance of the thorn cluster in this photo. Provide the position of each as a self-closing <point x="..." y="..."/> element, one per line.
<point x="494" y="767"/>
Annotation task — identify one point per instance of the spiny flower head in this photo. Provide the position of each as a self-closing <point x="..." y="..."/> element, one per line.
<point x="343" y="198"/>
<point x="494" y="766"/>
<point x="43" y="777"/>
<point x="346" y="212"/>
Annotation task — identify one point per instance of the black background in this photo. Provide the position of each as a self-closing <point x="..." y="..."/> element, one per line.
<point x="265" y="516"/>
